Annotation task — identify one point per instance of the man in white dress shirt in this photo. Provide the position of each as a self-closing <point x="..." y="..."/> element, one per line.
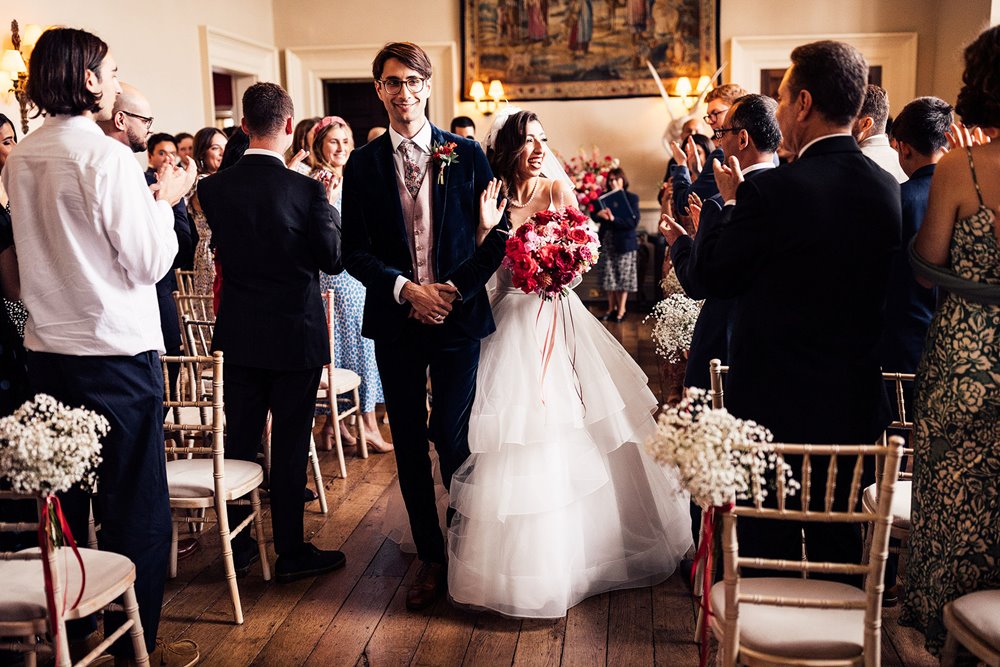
<point x="869" y="131"/>
<point x="92" y="242"/>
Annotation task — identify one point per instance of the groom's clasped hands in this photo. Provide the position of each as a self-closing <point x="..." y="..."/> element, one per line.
<point x="429" y="304"/>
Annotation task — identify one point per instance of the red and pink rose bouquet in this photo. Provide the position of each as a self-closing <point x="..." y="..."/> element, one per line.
<point x="550" y="250"/>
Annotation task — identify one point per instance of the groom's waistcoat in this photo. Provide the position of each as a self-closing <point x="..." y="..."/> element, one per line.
<point x="418" y="215"/>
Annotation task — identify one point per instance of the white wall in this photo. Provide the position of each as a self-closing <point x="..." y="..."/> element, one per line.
<point x="156" y="45"/>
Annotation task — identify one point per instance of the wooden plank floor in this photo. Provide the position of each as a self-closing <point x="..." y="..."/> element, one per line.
<point x="356" y="617"/>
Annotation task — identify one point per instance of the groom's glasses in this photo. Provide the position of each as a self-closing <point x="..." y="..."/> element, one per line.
<point x="392" y="85"/>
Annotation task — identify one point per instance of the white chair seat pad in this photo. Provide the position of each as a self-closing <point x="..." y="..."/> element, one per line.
<point x="343" y="381"/>
<point x="194" y="478"/>
<point x="901" y="503"/>
<point x="22" y="595"/>
<point x="796" y="631"/>
<point x="980" y="611"/>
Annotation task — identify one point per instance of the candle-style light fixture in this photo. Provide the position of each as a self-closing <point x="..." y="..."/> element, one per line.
<point x="14" y="66"/>
<point x="688" y="93"/>
<point x="479" y="94"/>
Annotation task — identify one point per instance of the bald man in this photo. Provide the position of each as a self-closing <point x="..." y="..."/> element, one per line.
<point x="130" y="120"/>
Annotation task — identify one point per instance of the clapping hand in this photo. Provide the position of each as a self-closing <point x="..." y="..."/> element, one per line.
<point x="490" y="210"/>
<point x="959" y="136"/>
<point x="693" y="157"/>
<point x="728" y="177"/>
<point x="694" y="210"/>
<point x="298" y="158"/>
<point x="670" y="229"/>
<point x="678" y="153"/>
<point x="172" y="183"/>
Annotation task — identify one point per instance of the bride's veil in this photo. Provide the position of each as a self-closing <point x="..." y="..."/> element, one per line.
<point x="551" y="165"/>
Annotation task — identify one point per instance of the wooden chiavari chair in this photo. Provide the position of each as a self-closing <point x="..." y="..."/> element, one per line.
<point x="213" y="482"/>
<point x="808" y="621"/>
<point x="24" y="610"/>
<point x="337" y="382"/>
<point x="974" y="622"/>
<point x="185" y="281"/>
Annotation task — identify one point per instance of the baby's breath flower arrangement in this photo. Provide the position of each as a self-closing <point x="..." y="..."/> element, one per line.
<point x="671" y="284"/>
<point x="673" y="329"/>
<point x="46" y="446"/>
<point x="717" y="455"/>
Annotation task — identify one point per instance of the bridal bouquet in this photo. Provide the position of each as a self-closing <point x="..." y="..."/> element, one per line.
<point x="721" y="459"/>
<point x="673" y="329"/>
<point x="589" y="175"/>
<point x="550" y="250"/>
<point x="48" y="447"/>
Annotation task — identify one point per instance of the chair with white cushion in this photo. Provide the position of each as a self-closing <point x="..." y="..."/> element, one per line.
<point x="24" y="610"/>
<point x="808" y="621"/>
<point x="973" y="621"/>
<point x="337" y="382"/>
<point x="200" y="483"/>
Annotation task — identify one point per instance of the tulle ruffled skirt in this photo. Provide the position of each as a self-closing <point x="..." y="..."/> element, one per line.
<point x="558" y="501"/>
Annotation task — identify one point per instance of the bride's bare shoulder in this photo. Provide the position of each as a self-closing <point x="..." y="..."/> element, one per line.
<point x="561" y="193"/>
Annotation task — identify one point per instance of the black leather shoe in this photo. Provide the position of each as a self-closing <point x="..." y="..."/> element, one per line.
<point x="308" y="562"/>
<point x="244" y="556"/>
<point x="186" y="547"/>
<point x="609" y="316"/>
<point x="308" y="495"/>
<point x="620" y="318"/>
<point x="429" y="584"/>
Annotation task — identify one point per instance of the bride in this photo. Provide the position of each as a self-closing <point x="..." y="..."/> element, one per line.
<point x="558" y="501"/>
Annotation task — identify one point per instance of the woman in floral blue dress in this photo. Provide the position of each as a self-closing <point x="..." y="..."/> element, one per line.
<point x="332" y="144"/>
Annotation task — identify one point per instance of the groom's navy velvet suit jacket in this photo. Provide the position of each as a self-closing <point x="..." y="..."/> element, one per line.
<point x="377" y="248"/>
<point x="806" y="253"/>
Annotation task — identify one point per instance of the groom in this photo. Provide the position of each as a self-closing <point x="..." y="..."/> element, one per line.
<point x="409" y="234"/>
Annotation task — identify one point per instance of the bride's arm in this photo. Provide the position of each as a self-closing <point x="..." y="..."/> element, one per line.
<point x="491" y="210"/>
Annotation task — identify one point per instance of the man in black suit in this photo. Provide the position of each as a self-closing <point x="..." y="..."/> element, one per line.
<point x="806" y="253"/>
<point x="410" y="224"/>
<point x="750" y="133"/>
<point x="274" y="231"/>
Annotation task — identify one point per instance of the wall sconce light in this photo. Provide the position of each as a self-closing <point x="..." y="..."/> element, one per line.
<point x="478" y="92"/>
<point x="690" y="94"/>
<point x="14" y="66"/>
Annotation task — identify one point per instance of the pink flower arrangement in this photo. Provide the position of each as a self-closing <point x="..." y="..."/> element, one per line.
<point x="550" y="250"/>
<point x="589" y="174"/>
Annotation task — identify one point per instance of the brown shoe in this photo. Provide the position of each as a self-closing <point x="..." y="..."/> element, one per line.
<point x="429" y="584"/>
<point x="182" y="653"/>
<point x="186" y="547"/>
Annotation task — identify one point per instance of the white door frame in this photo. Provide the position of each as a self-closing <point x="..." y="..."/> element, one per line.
<point x="246" y="60"/>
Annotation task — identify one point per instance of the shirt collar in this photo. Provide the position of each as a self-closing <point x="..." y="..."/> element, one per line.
<point x="818" y="139"/>
<point x="757" y="167"/>
<point x="76" y="122"/>
<point x="422" y="138"/>
<point x="264" y="151"/>
<point x="876" y="140"/>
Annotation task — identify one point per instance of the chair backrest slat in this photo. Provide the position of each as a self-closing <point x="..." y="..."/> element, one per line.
<point x="831" y="478"/>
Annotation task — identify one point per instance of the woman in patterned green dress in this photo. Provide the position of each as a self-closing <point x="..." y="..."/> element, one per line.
<point x="955" y="539"/>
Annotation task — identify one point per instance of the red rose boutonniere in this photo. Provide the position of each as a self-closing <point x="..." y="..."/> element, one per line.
<point x="444" y="155"/>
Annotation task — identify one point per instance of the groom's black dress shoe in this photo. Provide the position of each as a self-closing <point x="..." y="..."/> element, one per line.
<point x="245" y="554"/>
<point x="307" y="562"/>
<point x="429" y="584"/>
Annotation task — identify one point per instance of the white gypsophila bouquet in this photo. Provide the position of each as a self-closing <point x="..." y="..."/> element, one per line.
<point x="46" y="446"/>
<point x="674" y="319"/>
<point x="717" y="455"/>
<point x="671" y="284"/>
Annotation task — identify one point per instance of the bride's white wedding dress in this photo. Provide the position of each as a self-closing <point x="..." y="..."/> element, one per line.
<point x="558" y="501"/>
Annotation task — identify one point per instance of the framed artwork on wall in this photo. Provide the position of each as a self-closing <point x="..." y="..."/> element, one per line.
<point x="577" y="49"/>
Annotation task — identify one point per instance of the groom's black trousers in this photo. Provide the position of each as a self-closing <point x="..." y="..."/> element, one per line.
<point x="403" y="364"/>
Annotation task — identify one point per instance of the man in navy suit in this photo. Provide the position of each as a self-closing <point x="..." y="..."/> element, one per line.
<point x="806" y="254"/>
<point x="275" y="231"/>
<point x="410" y="221"/>
<point x="751" y="133"/>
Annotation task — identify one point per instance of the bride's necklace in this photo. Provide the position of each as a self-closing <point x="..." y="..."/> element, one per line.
<point x="534" y="190"/>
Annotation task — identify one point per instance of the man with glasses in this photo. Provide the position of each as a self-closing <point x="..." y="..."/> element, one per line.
<point x="719" y="100"/>
<point x="410" y="223"/>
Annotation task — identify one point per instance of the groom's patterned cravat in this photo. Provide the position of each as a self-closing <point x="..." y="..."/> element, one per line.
<point x="412" y="173"/>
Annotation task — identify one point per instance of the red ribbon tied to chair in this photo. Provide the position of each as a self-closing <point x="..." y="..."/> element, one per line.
<point x="52" y="506"/>
<point x="704" y="557"/>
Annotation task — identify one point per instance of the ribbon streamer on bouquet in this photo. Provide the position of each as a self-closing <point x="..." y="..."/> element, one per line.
<point x="703" y="557"/>
<point x="549" y="344"/>
<point x="51" y="506"/>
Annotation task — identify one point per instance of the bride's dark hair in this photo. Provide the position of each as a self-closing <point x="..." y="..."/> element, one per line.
<point x="503" y="155"/>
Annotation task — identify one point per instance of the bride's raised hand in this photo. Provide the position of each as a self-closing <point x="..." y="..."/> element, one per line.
<point x="490" y="210"/>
